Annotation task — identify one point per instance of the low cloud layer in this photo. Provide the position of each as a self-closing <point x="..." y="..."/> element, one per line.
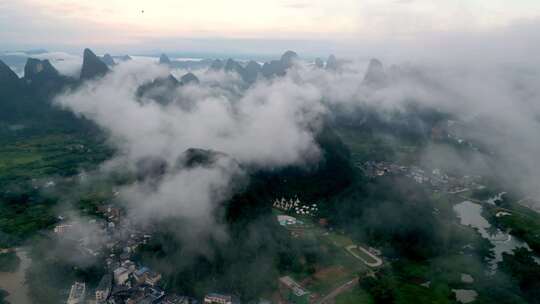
<point x="274" y="123"/>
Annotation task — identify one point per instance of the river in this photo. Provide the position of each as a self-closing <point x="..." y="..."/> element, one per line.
<point x="14" y="282"/>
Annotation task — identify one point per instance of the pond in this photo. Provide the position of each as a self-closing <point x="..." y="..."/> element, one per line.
<point x="14" y="282"/>
<point x="465" y="295"/>
<point x="470" y="214"/>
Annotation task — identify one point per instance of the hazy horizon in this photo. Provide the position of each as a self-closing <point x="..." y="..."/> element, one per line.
<point x="405" y="29"/>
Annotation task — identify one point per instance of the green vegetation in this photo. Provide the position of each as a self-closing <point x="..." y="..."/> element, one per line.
<point x="522" y="222"/>
<point x="334" y="266"/>
<point x="355" y="296"/>
<point x="21" y="216"/>
<point x="51" y="155"/>
<point x="526" y="271"/>
<point x="31" y="170"/>
<point x="416" y="228"/>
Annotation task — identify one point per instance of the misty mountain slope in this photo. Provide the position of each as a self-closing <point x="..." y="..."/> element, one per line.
<point x="27" y="103"/>
<point x="93" y="66"/>
<point x="231" y="189"/>
<point x="163" y="89"/>
<point x="9" y="80"/>
<point x="44" y="80"/>
<point x="159" y="89"/>
<point x="108" y="60"/>
<point x="251" y="71"/>
<point x="12" y="100"/>
<point x="40" y="143"/>
<point x="316" y="182"/>
<point x="254" y="239"/>
<point x="189" y="78"/>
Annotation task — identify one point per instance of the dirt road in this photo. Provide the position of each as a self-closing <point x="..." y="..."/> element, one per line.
<point x="329" y="298"/>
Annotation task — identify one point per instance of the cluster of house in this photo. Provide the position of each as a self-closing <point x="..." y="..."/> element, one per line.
<point x="374" y="169"/>
<point x="307" y="210"/>
<point x="77" y="148"/>
<point x="115" y="237"/>
<point x="126" y="282"/>
<point x="110" y="212"/>
<point x="88" y="244"/>
<point x="295" y="206"/>
<point x="438" y="180"/>
<point x="286" y="205"/>
<point x="129" y="285"/>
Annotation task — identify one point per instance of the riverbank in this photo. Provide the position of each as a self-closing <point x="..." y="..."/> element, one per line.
<point x="14" y="282"/>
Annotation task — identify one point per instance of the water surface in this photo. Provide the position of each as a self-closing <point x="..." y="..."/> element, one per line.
<point x="470" y="214"/>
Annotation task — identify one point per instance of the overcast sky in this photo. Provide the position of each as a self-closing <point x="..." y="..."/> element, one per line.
<point x="261" y="26"/>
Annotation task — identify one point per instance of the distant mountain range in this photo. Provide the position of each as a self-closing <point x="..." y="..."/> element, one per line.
<point x="27" y="100"/>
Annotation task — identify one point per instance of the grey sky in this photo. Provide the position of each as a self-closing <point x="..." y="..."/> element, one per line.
<point x="352" y="27"/>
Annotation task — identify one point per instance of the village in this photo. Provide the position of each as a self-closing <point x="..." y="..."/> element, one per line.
<point x="126" y="281"/>
<point x="435" y="179"/>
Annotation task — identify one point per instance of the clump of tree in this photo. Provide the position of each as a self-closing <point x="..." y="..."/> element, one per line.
<point x="389" y="212"/>
<point x="525" y="271"/>
<point x="3" y="295"/>
<point x="381" y="288"/>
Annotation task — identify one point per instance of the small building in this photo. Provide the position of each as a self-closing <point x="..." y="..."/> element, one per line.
<point x="176" y="299"/>
<point x="104" y="288"/>
<point x="129" y="265"/>
<point x="216" y="298"/>
<point x="286" y="220"/>
<point x="62" y="228"/>
<point x="77" y="293"/>
<point x="292" y="285"/>
<point x="292" y="291"/>
<point x="146" y="295"/>
<point x="146" y="276"/>
<point x="121" y="275"/>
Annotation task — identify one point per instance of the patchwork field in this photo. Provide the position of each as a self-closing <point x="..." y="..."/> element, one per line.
<point x="55" y="154"/>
